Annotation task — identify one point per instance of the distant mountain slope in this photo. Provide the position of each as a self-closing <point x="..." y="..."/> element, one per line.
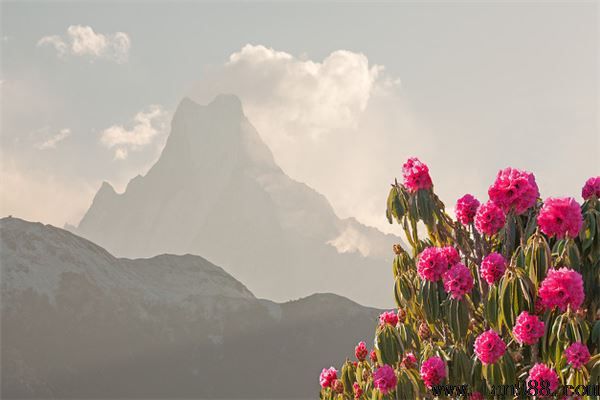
<point x="77" y="322"/>
<point x="217" y="191"/>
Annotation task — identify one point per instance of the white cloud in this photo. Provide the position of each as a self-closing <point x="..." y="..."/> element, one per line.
<point x="335" y="124"/>
<point x="306" y="97"/>
<point x="51" y="142"/>
<point x="145" y="128"/>
<point x="83" y="41"/>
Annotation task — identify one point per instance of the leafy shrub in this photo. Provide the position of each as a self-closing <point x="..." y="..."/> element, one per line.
<point x="508" y="293"/>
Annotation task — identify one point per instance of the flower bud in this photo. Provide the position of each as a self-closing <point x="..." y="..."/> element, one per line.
<point x="338" y="386"/>
<point x="398" y="249"/>
<point x="373" y="356"/>
<point x="357" y="390"/>
<point x="401" y="315"/>
<point x="424" y="331"/>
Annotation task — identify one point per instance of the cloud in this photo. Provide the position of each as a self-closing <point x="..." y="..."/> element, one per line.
<point x="334" y="123"/>
<point x="83" y="41"/>
<point x="51" y="142"/>
<point x="306" y="97"/>
<point x="145" y="128"/>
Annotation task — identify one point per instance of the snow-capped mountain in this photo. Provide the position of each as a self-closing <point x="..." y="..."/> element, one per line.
<point x="76" y="322"/>
<point x="216" y="191"/>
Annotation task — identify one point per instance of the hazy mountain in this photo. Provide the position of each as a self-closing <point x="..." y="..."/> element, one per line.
<point x="80" y="323"/>
<point x="216" y="191"/>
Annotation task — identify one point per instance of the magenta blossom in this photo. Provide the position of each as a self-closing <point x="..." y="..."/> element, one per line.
<point x="560" y="217"/>
<point x="562" y="288"/>
<point x="384" y="379"/>
<point x="492" y="268"/>
<point x="451" y="255"/>
<point x="528" y="328"/>
<point x="489" y="219"/>
<point x="432" y="264"/>
<point x="388" y="317"/>
<point x="361" y="352"/>
<point x="477" y="396"/>
<point x="577" y="355"/>
<point x="591" y="188"/>
<point x="327" y="377"/>
<point x="458" y="281"/>
<point x="466" y="208"/>
<point x="416" y="175"/>
<point x="540" y="372"/>
<point x="514" y="190"/>
<point x="433" y="371"/>
<point x="489" y="347"/>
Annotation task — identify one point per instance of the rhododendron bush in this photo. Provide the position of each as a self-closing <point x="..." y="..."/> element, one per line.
<point x="507" y="293"/>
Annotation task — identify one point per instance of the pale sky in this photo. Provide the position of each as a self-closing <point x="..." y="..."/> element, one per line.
<point x="342" y="92"/>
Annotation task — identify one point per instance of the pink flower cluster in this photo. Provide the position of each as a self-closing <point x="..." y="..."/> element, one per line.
<point x="361" y="352"/>
<point x="435" y="261"/>
<point x="577" y="354"/>
<point x="560" y="217"/>
<point x="416" y="175"/>
<point x="388" y="317"/>
<point x="514" y="189"/>
<point x="489" y="347"/>
<point x="327" y="377"/>
<point x="528" y="328"/>
<point x="458" y="281"/>
<point x="489" y="218"/>
<point x="561" y="288"/>
<point x="540" y="372"/>
<point x="384" y="379"/>
<point x="433" y="371"/>
<point x="591" y="188"/>
<point x="492" y="267"/>
<point x="451" y="255"/>
<point x="466" y="208"/>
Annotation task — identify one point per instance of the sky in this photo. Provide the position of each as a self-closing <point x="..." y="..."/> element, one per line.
<point x="342" y="92"/>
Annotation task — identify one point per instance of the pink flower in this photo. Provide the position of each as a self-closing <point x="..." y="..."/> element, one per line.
<point x="385" y="379"/>
<point x="489" y="347"/>
<point x="327" y="377"/>
<point x="562" y="288"/>
<point x="433" y="371"/>
<point x="432" y="264"/>
<point x="514" y="189"/>
<point x="458" y="281"/>
<point x="357" y="390"/>
<point x="492" y="268"/>
<point x="577" y="355"/>
<point x="361" y="351"/>
<point x="388" y="317"/>
<point x="591" y="188"/>
<point x="466" y="208"/>
<point x="477" y="396"/>
<point x="540" y="372"/>
<point x="528" y="328"/>
<point x="560" y="217"/>
<point x="409" y="361"/>
<point x="416" y="175"/>
<point x="373" y="356"/>
<point x="489" y="219"/>
<point x="451" y="255"/>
